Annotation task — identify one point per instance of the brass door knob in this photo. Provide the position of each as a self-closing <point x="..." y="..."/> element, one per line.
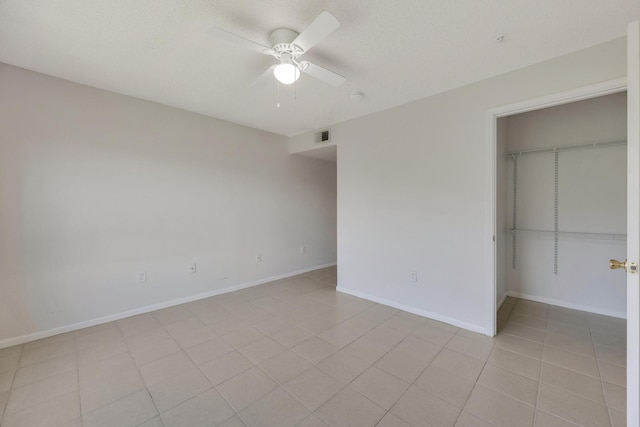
<point x="615" y="264"/>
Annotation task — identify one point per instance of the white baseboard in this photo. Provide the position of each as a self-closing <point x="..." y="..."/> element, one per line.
<point x="565" y="304"/>
<point x="8" y="342"/>
<point x="502" y="300"/>
<point x="414" y="310"/>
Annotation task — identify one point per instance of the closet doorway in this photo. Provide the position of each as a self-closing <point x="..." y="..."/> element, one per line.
<point x="559" y="192"/>
<point x="561" y="205"/>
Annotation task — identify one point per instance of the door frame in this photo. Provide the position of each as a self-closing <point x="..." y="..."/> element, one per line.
<point x="633" y="225"/>
<point x="560" y="98"/>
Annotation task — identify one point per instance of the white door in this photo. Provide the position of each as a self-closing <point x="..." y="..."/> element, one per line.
<point x="633" y="224"/>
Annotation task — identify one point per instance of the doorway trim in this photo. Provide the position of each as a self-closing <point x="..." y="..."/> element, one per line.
<point x="560" y="98"/>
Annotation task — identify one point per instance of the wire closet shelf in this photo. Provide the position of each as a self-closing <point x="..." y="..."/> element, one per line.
<point x="556" y="233"/>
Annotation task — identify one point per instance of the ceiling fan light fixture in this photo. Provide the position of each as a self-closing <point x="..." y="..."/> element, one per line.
<point x="286" y="72"/>
<point x="287" y="46"/>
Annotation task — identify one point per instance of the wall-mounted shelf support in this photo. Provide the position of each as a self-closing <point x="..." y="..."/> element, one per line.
<point x="514" y="215"/>
<point x="555" y="213"/>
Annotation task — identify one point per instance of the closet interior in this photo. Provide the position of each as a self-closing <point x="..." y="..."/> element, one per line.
<point x="561" y="205"/>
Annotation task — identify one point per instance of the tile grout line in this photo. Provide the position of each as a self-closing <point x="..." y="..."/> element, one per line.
<point x="425" y="368"/>
<point x="387" y="411"/>
<point x="475" y="385"/>
<point x="544" y="349"/>
<point x="75" y="345"/>
<point x="213" y="386"/>
<point x="596" y="359"/>
<point x="280" y="385"/>
<point x="12" y="388"/>
<point x="345" y="385"/>
<point x="315" y="365"/>
<point x="604" y="394"/>
<point x="236" y="413"/>
<point x="571" y="392"/>
<point x="419" y="375"/>
<point x="146" y="387"/>
<point x="534" y="406"/>
<point x="311" y="412"/>
<point x="13" y="377"/>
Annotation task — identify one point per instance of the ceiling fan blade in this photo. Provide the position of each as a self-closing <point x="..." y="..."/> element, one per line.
<point x="321" y="27"/>
<point x="329" y="77"/>
<point x="221" y="34"/>
<point x="267" y="78"/>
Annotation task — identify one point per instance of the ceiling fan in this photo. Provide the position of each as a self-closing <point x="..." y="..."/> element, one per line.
<point x="287" y="46"/>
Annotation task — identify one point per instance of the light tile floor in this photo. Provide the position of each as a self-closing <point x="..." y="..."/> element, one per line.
<point x="297" y="353"/>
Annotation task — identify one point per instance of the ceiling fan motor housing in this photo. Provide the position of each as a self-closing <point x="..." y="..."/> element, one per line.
<point x="281" y="40"/>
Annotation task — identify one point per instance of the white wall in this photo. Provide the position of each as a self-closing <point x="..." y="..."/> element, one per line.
<point x="95" y="187"/>
<point x="503" y="237"/>
<point x="414" y="187"/>
<point x="592" y="199"/>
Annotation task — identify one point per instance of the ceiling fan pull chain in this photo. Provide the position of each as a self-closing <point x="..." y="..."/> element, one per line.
<point x="278" y="94"/>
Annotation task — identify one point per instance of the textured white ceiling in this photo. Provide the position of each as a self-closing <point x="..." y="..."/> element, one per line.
<point x="394" y="51"/>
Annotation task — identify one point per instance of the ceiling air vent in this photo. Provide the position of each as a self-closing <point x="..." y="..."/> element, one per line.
<point x="322" y="136"/>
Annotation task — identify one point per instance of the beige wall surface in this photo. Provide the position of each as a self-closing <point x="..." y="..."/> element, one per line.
<point x="96" y="187"/>
<point x="414" y="189"/>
